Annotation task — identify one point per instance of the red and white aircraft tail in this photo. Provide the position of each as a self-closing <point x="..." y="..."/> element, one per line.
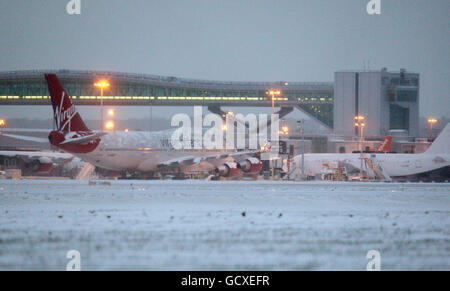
<point x="66" y="116"/>
<point x="385" y="145"/>
<point x="71" y="133"/>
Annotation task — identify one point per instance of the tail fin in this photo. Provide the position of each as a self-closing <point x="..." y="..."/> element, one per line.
<point x="441" y="144"/>
<point x="385" y="145"/>
<point x="65" y="114"/>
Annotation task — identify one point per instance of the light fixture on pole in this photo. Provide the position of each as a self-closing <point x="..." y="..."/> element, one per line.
<point x="359" y="123"/>
<point x="101" y="84"/>
<point x="109" y="125"/>
<point x="112" y="115"/>
<point x="273" y="93"/>
<point x="431" y="121"/>
<point x="301" y="124"/>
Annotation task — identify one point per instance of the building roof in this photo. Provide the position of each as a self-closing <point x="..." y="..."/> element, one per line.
<point x="168" y="81"/>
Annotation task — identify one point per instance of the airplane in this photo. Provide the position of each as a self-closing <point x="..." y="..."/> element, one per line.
<point x="145" y="152"/>
<point x="34" y="162"/>
<point x="384" y="165"/>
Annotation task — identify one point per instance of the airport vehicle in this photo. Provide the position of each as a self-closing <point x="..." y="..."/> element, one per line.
<point x="130" y="151"/>
<point x="384" y="166"/>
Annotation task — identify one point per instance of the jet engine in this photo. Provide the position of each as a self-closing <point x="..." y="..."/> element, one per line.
<point x="250" y="165"/>
<point x="229" y="169"/>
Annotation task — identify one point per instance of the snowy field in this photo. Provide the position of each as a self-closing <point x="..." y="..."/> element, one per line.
<point x="211" y="225"/>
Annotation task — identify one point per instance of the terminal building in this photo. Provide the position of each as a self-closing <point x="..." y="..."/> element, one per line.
<point x="389" y="101"/>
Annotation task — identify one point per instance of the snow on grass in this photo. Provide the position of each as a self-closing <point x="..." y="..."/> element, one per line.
<point x="184" y="225"/>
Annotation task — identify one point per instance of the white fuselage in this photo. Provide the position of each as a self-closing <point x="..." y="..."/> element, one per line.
<point x="138" y="151"/>
<point x="393" y="164"/>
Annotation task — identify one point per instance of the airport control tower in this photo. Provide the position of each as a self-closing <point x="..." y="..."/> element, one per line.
<point x="387" y="100"/>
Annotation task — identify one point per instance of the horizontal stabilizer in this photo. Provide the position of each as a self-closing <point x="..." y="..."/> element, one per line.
<point x="83" y="139"/>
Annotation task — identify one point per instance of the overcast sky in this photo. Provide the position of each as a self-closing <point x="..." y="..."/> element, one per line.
<point x="238" y="40"/>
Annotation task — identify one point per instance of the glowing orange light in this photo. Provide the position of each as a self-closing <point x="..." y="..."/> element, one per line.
<point x="273" y="92"/>
<point x="359" y="117"/>
<point x="126" y="129"/>
<point x="109" y="125"/>
<point x="102" y="84"/>
<point x="111" y="112"/>
<point x="224" y="127"/>
<point x="432" y="120"/>
<point x="2" y="122"/>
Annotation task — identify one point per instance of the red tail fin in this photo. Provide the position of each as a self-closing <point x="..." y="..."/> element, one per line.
<point x="65" y="114"/>
<point x="385" y="145"/>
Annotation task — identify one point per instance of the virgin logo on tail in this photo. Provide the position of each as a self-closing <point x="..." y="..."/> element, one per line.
<point x="63" y="116"/>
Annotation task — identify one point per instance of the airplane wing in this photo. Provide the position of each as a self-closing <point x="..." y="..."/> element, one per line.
<point x="27" y="138"/>
<point x="213" y="159"/>
<point x="82" y="139"/>
<point x="36" y="155"/>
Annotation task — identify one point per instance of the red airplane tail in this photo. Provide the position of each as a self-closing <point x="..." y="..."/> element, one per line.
<point x="65" y="114"/>
<point x="385" y="145"/>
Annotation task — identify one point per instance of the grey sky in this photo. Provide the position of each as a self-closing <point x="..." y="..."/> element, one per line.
<point x="254" y="40"/>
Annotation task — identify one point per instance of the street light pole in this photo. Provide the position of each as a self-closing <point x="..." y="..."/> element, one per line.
<point x="303" y="149"/>
<point x="273" y="93"/>
<point x="431" y="121"/>
<point x="112" y="114"/>
<point x="362" y="145"/>
<point x="102" y="84"/>
<point x="101" y="108"/>
<point x="302" y="134"/>
<point x="273" y="112"/>
<point x="359" y="122"/>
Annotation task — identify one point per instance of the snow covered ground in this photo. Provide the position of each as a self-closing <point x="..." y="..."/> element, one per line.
<point x="183" y="225"/>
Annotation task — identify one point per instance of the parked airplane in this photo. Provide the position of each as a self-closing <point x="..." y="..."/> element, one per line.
<point x="33" y="162"/>
<point x="135" y="151"/>
<point x="384" y="165"/>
